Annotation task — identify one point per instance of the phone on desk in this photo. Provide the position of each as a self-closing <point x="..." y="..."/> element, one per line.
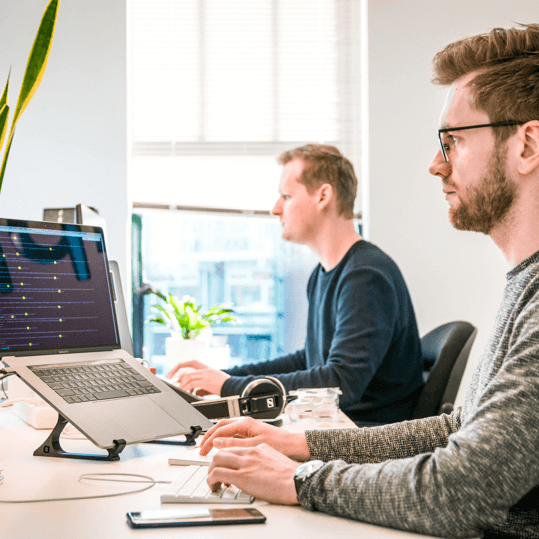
<point x="162" y="518"/>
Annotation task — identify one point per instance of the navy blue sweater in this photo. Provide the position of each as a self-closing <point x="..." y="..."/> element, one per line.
<point x="361" y="336"/>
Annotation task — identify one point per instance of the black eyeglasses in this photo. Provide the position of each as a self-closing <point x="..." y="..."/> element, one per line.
<point x="449" y="129"/>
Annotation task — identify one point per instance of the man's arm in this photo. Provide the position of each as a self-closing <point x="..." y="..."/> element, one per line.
<point x="289" y="363"/>
<point x="374" y="444"/>
<point x="458" y="490"/>
<point x="193" y="375"/>
<point x="366" y="307"/>
<point x="377" y="444"/>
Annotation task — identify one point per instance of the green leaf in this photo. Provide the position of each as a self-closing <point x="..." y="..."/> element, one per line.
<point x="35" y="68"/>
<point x="168" y="315"/>
<point x="37" y="59"/>
<point x="4" y="113"/>
<point x="4" y="162"/>
<point x="3" y="99"/>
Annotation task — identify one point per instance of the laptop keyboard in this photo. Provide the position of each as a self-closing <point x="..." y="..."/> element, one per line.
<point x="191" y="487"/>
<point x="84" y="382"/>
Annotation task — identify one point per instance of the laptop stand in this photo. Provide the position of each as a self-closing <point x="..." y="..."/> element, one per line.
<point x="189" y="438"/>
<point x="51" y="447"/>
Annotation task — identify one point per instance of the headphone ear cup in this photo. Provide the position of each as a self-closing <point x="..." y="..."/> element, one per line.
<point x="267" y="386"/>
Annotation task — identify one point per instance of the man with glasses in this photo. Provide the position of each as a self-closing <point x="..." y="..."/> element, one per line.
<point x="474" y="472"/>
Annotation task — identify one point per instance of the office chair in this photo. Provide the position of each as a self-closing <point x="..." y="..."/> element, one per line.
<point x="445" y="354"/>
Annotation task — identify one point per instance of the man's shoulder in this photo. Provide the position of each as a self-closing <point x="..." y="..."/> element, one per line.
<point x="365" y="256"/>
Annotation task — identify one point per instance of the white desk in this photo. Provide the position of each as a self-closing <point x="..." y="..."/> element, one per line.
<point x="28" y="477"/>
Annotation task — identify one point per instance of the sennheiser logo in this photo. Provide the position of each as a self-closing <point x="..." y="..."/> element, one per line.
<point x="63" y="352"/>
<point x="270" y="402"/>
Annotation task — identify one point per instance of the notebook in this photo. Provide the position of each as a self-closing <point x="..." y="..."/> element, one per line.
<point x="59" y="332"/>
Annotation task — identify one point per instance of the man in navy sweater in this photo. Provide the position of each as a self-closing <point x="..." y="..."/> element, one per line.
<point x="361" y="330"/>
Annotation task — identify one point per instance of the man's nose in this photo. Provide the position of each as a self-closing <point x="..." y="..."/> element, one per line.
<point x="439" y="166"/>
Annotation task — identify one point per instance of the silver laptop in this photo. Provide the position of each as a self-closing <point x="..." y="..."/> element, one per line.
<point x="59" y="332"/>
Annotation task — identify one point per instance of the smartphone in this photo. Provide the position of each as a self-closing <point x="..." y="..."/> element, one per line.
<point x="163" y="518"/>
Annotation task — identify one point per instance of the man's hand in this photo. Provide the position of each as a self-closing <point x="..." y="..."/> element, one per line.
<point x="194" y="364"/>
<point x="248" y="432"/>
<point x="260" y="471"/>
<point x="198" y="378"/>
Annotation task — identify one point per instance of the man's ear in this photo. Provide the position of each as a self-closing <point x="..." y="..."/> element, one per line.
<point x="325" y="195"/>
<point x="528" y="158"/>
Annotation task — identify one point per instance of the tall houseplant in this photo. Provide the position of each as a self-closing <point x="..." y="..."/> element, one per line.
<point x="35" y="68"/>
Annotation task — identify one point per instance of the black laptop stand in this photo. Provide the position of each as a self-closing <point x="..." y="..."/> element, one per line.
<point x="52" y="448"/>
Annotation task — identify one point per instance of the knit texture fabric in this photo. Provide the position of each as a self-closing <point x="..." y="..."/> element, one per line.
<point x="472" y="473"/>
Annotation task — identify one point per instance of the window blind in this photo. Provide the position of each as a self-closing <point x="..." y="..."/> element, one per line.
<point x="218" y="89"/>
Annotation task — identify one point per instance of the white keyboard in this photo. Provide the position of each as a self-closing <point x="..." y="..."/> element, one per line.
<point x="191" y="487"/>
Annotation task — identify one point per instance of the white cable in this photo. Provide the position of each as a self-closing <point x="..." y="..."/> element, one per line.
<point x="96" y="477"/>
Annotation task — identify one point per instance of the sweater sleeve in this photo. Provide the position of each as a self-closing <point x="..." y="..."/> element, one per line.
<point x="242" y="375"/>
<point x="460" y="488"/>
<point x="377" y="444"/>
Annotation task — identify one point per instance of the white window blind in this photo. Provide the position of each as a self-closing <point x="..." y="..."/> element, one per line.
<point x="219" y="88"/>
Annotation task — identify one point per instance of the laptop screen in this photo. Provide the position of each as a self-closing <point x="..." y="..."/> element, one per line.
<point x="55" y="291"/>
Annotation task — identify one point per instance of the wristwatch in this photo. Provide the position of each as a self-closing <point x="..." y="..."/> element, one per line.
<point x="305" y="471"/>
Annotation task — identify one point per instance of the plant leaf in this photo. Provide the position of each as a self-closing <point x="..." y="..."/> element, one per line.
<point x="3" y="99"/>
<point x="35" y="68"/>
<point x="4" y="161"/>
<point x="37" y="59"/>
<point x="4" y="113"/>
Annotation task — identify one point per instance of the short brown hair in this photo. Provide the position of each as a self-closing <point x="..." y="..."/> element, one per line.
<point x="507" y="84"/>
<point x="326" y="164"/>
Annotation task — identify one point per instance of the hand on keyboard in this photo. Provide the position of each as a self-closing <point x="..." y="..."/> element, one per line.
<point x="262" y="471"/>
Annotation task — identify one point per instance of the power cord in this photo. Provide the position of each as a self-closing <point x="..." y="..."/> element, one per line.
<point x="5" y="375"/>
<point x="100" y="477"/>
<point x="2" y="386"/>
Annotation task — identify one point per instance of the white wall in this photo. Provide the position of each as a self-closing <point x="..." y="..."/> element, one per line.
<point x="70" y="143"/>
<point x="452" y="275"/>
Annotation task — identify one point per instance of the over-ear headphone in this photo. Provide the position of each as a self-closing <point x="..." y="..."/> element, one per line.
<point x="263" y="398"/>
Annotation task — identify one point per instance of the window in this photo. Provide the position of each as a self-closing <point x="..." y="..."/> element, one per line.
<point x="218" y="89"/>
<point x="230" y="259"/>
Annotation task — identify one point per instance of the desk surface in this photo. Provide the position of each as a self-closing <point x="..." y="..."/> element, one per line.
<point x="29" y="477"/>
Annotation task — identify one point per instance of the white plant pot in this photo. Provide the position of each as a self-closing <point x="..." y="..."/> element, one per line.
<point x="179" y="350"/>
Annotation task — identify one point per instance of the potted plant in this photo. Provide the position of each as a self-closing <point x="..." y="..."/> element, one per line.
<point x="35" y="68"/>
<point x="185" y="321"/>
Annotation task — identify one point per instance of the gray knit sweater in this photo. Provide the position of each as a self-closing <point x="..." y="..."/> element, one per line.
<point x="472" y="473"/>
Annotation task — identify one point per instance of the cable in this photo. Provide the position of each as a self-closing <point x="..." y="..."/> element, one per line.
<point x="97" y="477"/>
<point x="3" y="387"/>
<point x="2" y="380"/>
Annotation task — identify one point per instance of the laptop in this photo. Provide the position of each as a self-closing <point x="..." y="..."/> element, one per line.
<point x="119" y="308"/>
<point x="59" y="332"/>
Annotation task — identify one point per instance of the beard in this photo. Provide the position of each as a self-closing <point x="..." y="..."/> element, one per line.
<point x="488" y="203"/>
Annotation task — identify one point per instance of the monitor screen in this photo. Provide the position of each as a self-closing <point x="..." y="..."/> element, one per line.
<point x="55" y="291"/>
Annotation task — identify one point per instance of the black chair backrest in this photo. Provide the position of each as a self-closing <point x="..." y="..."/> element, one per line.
<point x="445" y="354"/>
